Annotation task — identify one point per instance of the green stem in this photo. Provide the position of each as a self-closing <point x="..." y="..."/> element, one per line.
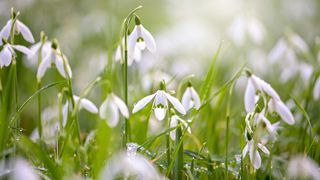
<point x="125" y="26"/>
<point x="39" y="112"/>
<point x="178" y="164"/>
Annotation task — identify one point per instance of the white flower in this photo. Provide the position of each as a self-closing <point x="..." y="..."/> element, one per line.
<point x="19" y="28"/>
<point x="160" y="104"/>
<point x="316" y="90"/>
<point x="302" y="167"/>
<point x="190" y="99"/>
<point x="110" y="108"/>
<point x="84" y="103"/>
<point x="33" y="58"/>
<point x="242" y="27"/>
<point x="126" y="166"/>
<point x="299" y="43"/>
<point x="174" y="122"/>
<point x="8" y="52"/>
<point x="254" y="155"/>
<point x="254" y="84"/>
<point x="54" y="56"/>
<point x="132" y="56"/>
<point x="282" y="110"/>
<point x="142" y="38"/>
<point x="23" y="170"/>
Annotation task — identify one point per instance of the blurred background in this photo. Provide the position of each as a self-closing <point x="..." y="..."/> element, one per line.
<point x="276" y="39"/>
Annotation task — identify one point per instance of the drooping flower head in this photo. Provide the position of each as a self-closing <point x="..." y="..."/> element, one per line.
<point x="160" y="103"/>
<point x="110" y="108"/>
<point x="140" y="38"/>
<point x="83" y="104"/>
<point x="255" y="87"/>
<point x="7" y="52"/>
<point x="190" y="98"/>
<point x="17" y="26"/>
<point x="54" y="56"/>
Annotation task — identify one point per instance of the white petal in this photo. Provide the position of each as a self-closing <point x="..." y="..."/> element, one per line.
<point x="148" y="39"/>
<point x="137" y="54"/>
<point x="6" y="56"/>
<point x="263" y="149"/>
<point x="5" y="31"/>
<point x="195" y="98"/>
<point x="278" y="51"/>
<point x="86" y="104"/>
<point x="60" y="66"/>
<point x="284" y="112"/>
<point x="316" y="90"/>
<point x="118" y="54"/>
<point x="160" y="113"/>
<point x="299" y="43"/>
<point x="266" y="87"/>
<point x="65" y="113"/>
<point x="142" y="103"/>
<point x="141" y="45"/>
<point x="245" y="151"/>
<point x="132" y="40"/>
<point x="103" y="109"/>
<point x="256" y="161"/>
<point x="161" y="98"/>
<point x="271" y="105"/>
<point x="23" y="49"/>
<point x="173" y="123"/>
<point x="109" y="111"/>
<point x="121" y="106"/>
<point x="44" y="65"/>
<point x="249" y="96"/>
<point x="25" y="31"/>
<point x="176" y="104"/>
<point x="186" y="97"/>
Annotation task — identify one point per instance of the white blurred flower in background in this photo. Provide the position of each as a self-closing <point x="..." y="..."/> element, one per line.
<point x="124" y="165"/>
<point x="243" y="28"/>
<point x="23" y="170"/>
<point x="301" y="167"/>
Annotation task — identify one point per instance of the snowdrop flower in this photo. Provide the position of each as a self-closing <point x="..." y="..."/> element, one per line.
<point x="275" y="103"/>
<point x="190" y="98"/>
<point x="132" y="56"/>
<point x="302" y="167"/>
<point x="124" y="165"/>
<point x="54" y="56"/>
<point x="316" y="90"/>
<point x="110" y="108"/>
<point x="251" y="148"/>
<point x="141" y="38"/>
<point x="8" y="52"/>
<point x="84" y="103"/>
<point x="33" y="58"/>
<point x="254" y="84"/>
<point x="243" y="27"/>
<point x="298" y="43"/>
<point x="160" y="103"/>
<point x="174" y="122"/>
<point x="23" y="170"/>
<point x="18" y="26"/>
